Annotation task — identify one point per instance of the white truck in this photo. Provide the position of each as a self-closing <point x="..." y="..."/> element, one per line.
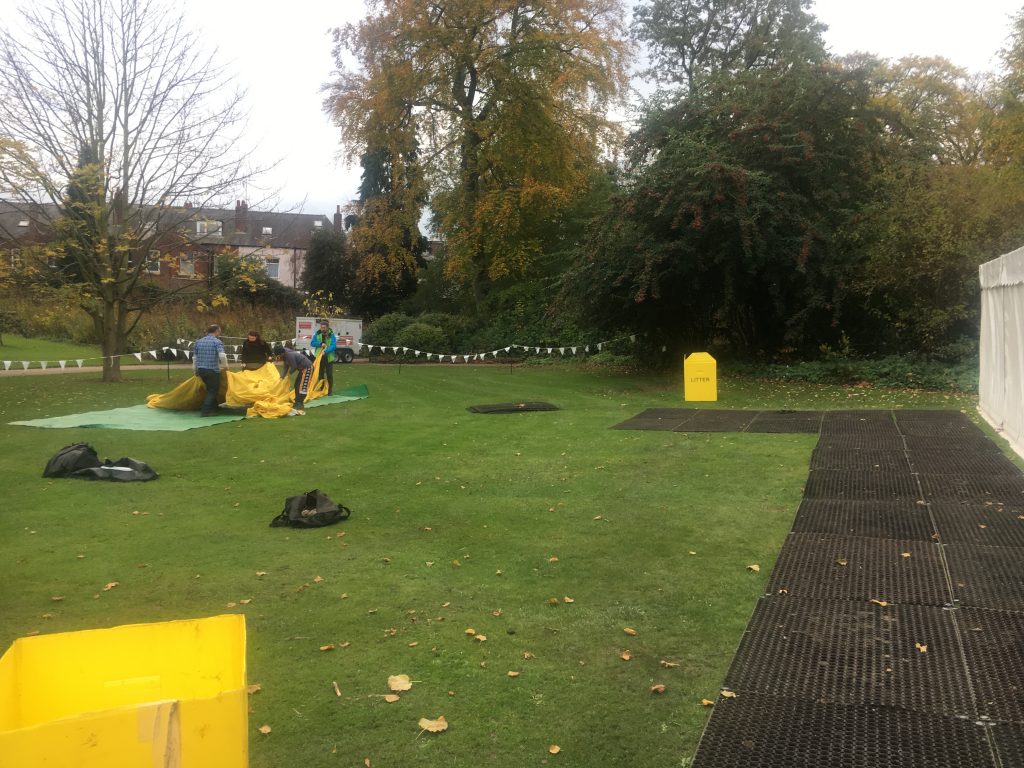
<point x="348" y="331"/>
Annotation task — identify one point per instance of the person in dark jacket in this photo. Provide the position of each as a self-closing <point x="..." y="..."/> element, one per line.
<point x="255" y="352"/>
<point x="303" y="367"/>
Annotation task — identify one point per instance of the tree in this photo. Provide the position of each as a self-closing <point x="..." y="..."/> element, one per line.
<point x="504" y="102"/>
<point x="327" y="270"/>
<point x="120" y="119"/>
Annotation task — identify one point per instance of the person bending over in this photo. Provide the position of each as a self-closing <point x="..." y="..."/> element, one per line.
<point x="303" y="367"/>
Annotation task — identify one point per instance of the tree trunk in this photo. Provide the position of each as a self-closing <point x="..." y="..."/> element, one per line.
<point x="114" y="339"/>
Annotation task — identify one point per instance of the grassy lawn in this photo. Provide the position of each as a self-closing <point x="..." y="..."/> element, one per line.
<point x="549" y="533"/>
<point x="18" y="348"/>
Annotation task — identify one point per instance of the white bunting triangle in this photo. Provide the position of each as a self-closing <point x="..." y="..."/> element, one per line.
<point x="42" y="364"/>
<point x="137" y="356"/>
<point x="7" y="365"/>
<point x="62" y="363"/>
<point x="24" y="365"/>
<point x="155" y="354"/>
<point x="79" y="363"/>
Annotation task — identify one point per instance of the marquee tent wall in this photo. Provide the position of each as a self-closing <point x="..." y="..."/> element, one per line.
<point x="1001" y="384"/>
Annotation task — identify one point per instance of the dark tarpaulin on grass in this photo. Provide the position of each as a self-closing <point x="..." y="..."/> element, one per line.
<point x="512" y="407"/>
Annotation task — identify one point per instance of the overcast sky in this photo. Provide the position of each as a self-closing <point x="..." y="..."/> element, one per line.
<point x="282" y="55"/>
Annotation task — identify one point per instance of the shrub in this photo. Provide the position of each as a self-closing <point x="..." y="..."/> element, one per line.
<point x="423" y="337"/>
<point x="384" y="330"/>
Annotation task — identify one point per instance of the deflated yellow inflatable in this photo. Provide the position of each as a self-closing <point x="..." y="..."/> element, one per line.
<point x="263" y="392"/>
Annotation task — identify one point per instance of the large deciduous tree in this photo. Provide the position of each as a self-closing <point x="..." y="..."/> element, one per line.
<point x="505" y="103"/>
<point x="119" y="118"/>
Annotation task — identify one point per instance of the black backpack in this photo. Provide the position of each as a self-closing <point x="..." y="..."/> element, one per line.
<point x="310" y="510"/>
<point x="71" y="458"/>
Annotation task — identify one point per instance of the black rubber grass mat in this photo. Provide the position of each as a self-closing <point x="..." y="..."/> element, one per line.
<point x="893" y="442"/>
<point x="997" y="489"/>
<point x="519" y="407"/>
<point x="987" y="577"/>
<point x="861" y="485"/>
<point x="755" y="731"/>
<point x="976" y="523"/>
<point x="1008" y="739"/>
<point x="839" y="652"/>
<point x="786" y="422"/>
<point x="831" y="567"/>
<point x="655" y="425"/>
<point x="963" y="462"/>
<point x="994" y="653"/>
<point x="869" y="459"/>
<point x="975" y="443"/>
<point x="953" y="427"/>
<point x="859" y="423"/>
<point x="713" y="420"/>
<point x="906" y="520"/>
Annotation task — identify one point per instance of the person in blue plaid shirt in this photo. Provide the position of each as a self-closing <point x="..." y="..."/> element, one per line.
<point x="208" y="358"/>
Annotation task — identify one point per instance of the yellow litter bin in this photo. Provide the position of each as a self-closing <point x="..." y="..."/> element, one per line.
<point x="700" y="377"/>
<point x="165" y="694"/>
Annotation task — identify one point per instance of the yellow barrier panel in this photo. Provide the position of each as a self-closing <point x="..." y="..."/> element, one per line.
<point x="700" y="377"/>
<point x="167" y="695"/>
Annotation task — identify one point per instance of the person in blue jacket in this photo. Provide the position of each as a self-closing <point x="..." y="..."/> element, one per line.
<point x="325" y="342"/>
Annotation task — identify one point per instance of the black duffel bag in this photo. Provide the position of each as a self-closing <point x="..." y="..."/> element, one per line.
<point x="312" y="509"/>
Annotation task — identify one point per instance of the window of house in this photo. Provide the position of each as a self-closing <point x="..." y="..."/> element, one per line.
<point x="274" y="268"/>
<point x="187" y="265"/>
<point x="209" y="227"/>
<point x="268" y="230"/>
<point x="318" y="224"/>
<point x="23" y="223"/>
<point x="153" y="262"/>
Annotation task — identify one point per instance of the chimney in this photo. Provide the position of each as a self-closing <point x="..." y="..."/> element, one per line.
<point x="241" y="216"/>
<point x="337" y="220"/>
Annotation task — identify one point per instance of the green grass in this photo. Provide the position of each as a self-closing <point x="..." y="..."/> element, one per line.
<point x="18" y="348"/>
<point x="648" y="530"/>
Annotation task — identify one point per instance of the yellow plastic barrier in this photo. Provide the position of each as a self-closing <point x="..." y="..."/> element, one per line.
<point x="700" y="377"/>
<point x="167" y="695"/>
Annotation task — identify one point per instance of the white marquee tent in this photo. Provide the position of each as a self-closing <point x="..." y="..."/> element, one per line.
<point x="1001" y="385"/>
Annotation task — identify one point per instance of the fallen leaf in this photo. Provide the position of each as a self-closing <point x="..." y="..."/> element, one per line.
<point x="456" y="563"/>
<point x="57" y="598"/>
<point x="470" y="631"/>
<point x="445" y="605"/>
<point x="254" y="688"/>
<point x="328" y="647"/>
<point x="391" y="698"/>
<point x="232" y="605"/>
<point x="480" y="638"/>
<point x="483" y="665"/>
<point x="783" y="591"/>
<point x="982" y="525"/>
<point x="367" y="763"/>
<point x="668" y="664"/>
<point x="554" y="749"/>
<point x="246" y="601"/>
<point x="429" y="563"/>
<point x="552" y="601"/>
<point x="921" y="647"/>
<point x="552" y="559"/>
<point x="414" y="644"/>
<point x="318" y="579"/>
<point x="707" y="703"/>
<point x="527" y="655"/>
<point x="728" y="694"/>
<point x="882" y="603"/>
<point x="346" y="644"/>
<point x="568" y="600"/>
<point x="337" y="690"/>
<point x="625" y="655"/>
<point x="510" y="673"/>
<point x="498" y="572"/>
<point x="659" y="688"/>
<point x="496" y="613"/>
<point x="344" y="595"/>
<point x="264" y="729"/>
<point x="399" y="683"/>
<point x="905" y="554"/>
<point x="755" y="568"/>
<point x="842" y="561"/>
<point x="434" y="726"/>
<point x="629" y="630"/>
<point x="692" y="552"/>
<point x="110" y="585"/>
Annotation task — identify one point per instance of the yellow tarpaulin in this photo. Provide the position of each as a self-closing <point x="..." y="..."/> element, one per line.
<point x="263" y="392"/>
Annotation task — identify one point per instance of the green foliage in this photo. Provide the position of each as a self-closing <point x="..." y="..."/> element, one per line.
<point x="900" y="372"/>
<point x="422" y="336"/>
<point x="385" y="329"/>
<point x="327" y="271"/>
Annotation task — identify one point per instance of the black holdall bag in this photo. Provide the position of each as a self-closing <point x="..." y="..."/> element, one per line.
<point x="310" y="510"/>
<point x="70" y="459"/>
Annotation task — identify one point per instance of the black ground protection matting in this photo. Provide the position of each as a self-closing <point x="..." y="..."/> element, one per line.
<point x="712" y="420"/>
<point x="960" y="462"/>
<point x="1008" y="740"/>
<point x="830" y="567"/>
<point x="868" y="459"/>
<point x="893" y="442"/>
<point x="915" y="443"/>
<point x="650" y="425"/>
<point x="878" y="519"/>
<point x="993" y="644"/>
<point x="757" y="731"/>
<point x="786" y="422"/>
<point x="861" y="485"/>
<point x="853" y="653"/>
<point x="986" y="577"/>
<point x="512" y="407"/>
<point x="977" y="523"/>
<point x="997" y="489"/>
<point x="941" y="429"/>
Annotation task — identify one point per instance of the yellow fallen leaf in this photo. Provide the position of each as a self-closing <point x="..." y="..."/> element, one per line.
<point x="692" y="552"/>
<point x="510" y="673"/>
<point x="254" y="688"/>
<point x="264" y="729"/>
<point x="391" y="698"/>
<point x="337" y="690"/>
<point x="57" y="598"/>
<point x="470" y="631"/>
<point x="483" y="665"/>
<point x="659" y="688"/>
<point x="625" y="655"/>
<point x="552" y="601"/>
<point x="554" y="749"/>
<point x="318" y="579"/>
<point x="497" y="572"/>
<point x="456" y="563"/>
<point x="882" y="603"/>
<point x="553" y="559"/>
<point x="399" y="683"/>
<point x="445" y="605"/>
<point x="480" y="638"/>
<point x="629" y="630"/>
<point x="568" y="600"/>
<point x="527" y="655"/>
<point x="707" y="703"/>
<point x="905" y="554"/>
<point x="755" y="568"/>
<point x="414" y="644"/>
<point x="783" y="591"/>
<point x="328" y="647"/>
<point x="496" y="613"/>
<point x="842" y="561"/>
<point x="110" y="585"/>
<point x="232" y="605"/>
<point x="728" y="694"/>
<point x="434" y="726"/>
<point x="921" y="647"/>
<point x="367" y="763"/>
<point x="246" y="601"/>
<point x="344" y="595"/>
<point x="668" y="664"/>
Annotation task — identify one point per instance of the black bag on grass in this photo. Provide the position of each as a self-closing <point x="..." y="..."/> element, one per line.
<point x="310" y="510"/>
<point x="70" y="459"/>
<point x="123" y="470"/>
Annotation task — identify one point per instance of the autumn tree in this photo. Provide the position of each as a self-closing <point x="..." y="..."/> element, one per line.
<point x="118" y="118"/>
<point x="504" y="102"/>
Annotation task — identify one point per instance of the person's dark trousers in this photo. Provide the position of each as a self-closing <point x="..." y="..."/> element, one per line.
<point x="211" y="379"/>
<point x="327" y="372"/>
<point x="303" y="379"/>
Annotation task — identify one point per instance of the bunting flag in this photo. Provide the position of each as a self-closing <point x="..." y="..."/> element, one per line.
<point x="24" y="365"/>
<point x="7" y="365"/>
<point x="79" y="362"/>
<point x="154" y="353"/>
<point x="42" y="364"/>
<point x="136" y="355"/>
<point x="62" y="363"/>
